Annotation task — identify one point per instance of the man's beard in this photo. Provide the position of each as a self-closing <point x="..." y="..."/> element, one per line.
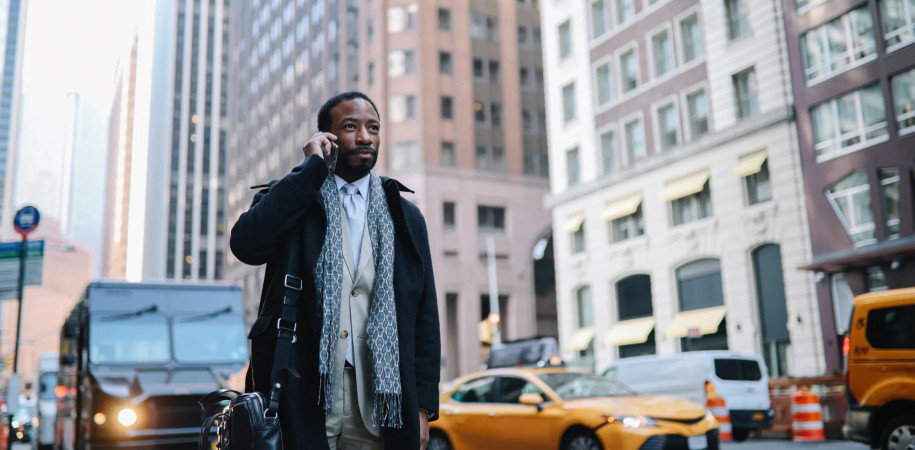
<point x="361" y="168"/>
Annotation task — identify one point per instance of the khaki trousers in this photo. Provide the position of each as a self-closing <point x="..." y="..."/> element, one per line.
<point x="345" y="428"/>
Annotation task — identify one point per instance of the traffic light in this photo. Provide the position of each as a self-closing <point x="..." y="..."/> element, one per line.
<point x="484" y="332"/>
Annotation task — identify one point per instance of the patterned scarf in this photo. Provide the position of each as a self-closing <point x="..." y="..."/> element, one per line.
<point x="382" y="322"/>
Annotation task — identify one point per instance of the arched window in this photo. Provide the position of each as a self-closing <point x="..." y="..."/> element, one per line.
<point x="633" y="336"/>
<point x="699" y="288"/>
<point x="773" y="311"/>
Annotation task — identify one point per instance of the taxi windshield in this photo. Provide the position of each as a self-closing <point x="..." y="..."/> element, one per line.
<point x="571" y="385"/>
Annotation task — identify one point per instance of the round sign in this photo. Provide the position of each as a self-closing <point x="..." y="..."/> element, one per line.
<point x="26" y="220"/>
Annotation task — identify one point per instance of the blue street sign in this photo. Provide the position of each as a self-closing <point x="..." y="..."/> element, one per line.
<point x="26" y="220"/>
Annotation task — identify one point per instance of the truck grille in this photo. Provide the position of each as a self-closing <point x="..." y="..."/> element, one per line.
<point x="179" y="411"/>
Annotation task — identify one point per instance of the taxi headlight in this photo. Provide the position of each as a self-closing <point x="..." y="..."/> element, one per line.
<point x="635" y="421"/>
<point x="127" y="417"/>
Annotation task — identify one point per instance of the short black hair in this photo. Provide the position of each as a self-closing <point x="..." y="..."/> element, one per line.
<point x="324" y="118"/>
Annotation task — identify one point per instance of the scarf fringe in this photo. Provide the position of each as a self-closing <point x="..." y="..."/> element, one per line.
<point x="386" y="412"/>
<point x="325" y="392"/>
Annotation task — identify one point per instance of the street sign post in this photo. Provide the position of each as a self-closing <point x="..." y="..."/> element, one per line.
<point x="25" y="221"/>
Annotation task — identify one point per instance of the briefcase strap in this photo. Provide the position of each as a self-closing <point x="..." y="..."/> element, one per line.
<point x="286" y="325"/>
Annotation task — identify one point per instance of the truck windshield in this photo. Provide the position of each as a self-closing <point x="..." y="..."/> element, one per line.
<point x="213" y="338"/>
<point x="129" y="339"/>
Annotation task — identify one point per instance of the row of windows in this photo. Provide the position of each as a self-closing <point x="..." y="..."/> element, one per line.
<point x="857" y="119"/>
<point x="850" y="197"/>
<point x="848" y="41"/>
<point x="489" y="218"/>
<point x="690" y="201"/>
<point x="605" y="15"/>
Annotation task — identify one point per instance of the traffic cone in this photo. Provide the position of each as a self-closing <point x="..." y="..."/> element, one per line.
<point x="719" y="408"/>
<point x="807" y="417"/>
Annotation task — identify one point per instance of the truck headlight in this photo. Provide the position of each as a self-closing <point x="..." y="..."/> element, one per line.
<point x="127" y="417"/>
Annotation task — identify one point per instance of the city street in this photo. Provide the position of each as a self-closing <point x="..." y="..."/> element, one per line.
<point x="788" y="445"/>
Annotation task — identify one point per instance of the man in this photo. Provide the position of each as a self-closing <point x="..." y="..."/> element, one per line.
<point x="367" y="348"/>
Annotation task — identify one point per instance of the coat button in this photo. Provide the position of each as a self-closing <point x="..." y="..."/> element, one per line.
<point x="344" y="334"/>
<point x="356" y="292"/>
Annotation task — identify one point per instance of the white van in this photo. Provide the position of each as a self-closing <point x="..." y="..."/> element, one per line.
<point x="46" y="411"/>
<point x="742" y="380"/>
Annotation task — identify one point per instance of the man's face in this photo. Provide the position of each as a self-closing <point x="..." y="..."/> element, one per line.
<point x="356" y="125"/>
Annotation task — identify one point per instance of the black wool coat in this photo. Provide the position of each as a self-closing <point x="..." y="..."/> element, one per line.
<point x="261" y="235"/>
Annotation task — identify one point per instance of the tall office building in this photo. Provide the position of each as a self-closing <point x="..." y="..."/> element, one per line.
<point x="676" y="190"/>
<point x="181" y="162"/>
<point x="853" y="75"/>
<point x="459" y="88"/>
<point x="120" y="159"/>
<point x="12" y="24"/>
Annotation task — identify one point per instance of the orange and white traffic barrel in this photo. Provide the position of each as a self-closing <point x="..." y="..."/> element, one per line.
<point x="807" y="417"/>
<point x="719" y="408"/>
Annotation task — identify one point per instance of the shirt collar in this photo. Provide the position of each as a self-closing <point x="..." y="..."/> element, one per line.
<point x="361" y="184"/>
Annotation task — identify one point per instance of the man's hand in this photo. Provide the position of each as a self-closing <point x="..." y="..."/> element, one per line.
<point x="319" y="144"/>
<point x="423" y="430"/>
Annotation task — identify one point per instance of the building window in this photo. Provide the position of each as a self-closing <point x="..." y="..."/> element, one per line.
<point x="635" y="141"/>
<point x="697" y="107"/>
<point x="692" y="207"/>
<point x="848" y="123"/>
<point x="447" y="107"/>
<point x="449" y="155"/>
<point x="836" y="45"/>
<point x="898" y="23"/>
<point x="889" y="187"/>
<point x="604" y="80"/>
<point x="745" y="93"/>
<point x="691" y="36"/>
<point x="565" y="40"/>
<point x="842" y="301"/>
<point x="495" y="112"/>
<point x="524" y="76"/>
<point x="668" y="127"/>
<point x="478" y="69"/>
<point x="699" y="287"/>
<point x="573" y="167"/>
<point x="492" y="28"/>
<point x="737" y="18"/>
<point x="401" y="62"/>
<point x="522" y="35"/>
<point x="405" y="155"/>
<point x="490" y="218"/>
<point x="402" y="108"/>
<point x="490" y="159"/>
<point x="445" y="63"/>
<point x="444" y="19"/>
<point x="625" y="10"/>
<point x="479" y="112"/>
<point x="578" y="239"/>
<point x="583" y="302"/>
<point x="851" y="199"/>
<point x="609" y="160"/>
<point x="629" y="65"/>
<point x="495" y="77"/>
<point x="477" y="25"/>
<point x="876" y="279"/>
<point x="568" y="103"/>
<point x="628" y="227"/>
<point x="369" y="30"/>
<point x="600" y="20"/>
<point x="903" y="97"/>
<point x="662" y="50"/>
<point x="802" y="4"/>
<point x="448" y="214"/>
<point x="634" y="301"/>
<point x="758" y="187"/>
<point x="370" y="74"/>
<point x="526" y="120"/>
<point x="401" y="18"/>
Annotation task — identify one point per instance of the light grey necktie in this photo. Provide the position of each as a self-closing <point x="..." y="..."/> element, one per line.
<point x="354" y="206"/>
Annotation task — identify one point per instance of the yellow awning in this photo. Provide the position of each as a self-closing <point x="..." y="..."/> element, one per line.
<point x="622" y="207"/>
<point x="627" y="332"/>
<point x="688" y="185"/>
<point x="581" y="339"/>
<point x="705" y="320"/>
<point x="573" y="223"/>
<point x="750" y="164"/>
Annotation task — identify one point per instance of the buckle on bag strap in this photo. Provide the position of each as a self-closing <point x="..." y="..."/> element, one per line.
<point x="293" y="282"/>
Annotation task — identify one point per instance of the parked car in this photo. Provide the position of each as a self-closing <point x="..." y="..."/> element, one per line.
<point x="742" y="380"/>
<point x="550" y="408"/>
<point x="880" y="370"/>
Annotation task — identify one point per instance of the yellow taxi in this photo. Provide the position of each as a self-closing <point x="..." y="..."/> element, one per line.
<point x="558" y="408"/>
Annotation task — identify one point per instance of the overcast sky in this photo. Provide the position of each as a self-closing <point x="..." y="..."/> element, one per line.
<point x="70" y="46"/>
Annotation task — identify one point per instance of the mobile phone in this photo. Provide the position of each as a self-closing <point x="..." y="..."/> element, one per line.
<point x="331" y="159"/>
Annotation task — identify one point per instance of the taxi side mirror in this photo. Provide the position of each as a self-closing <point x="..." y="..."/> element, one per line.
<point x="532" y="399"/>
